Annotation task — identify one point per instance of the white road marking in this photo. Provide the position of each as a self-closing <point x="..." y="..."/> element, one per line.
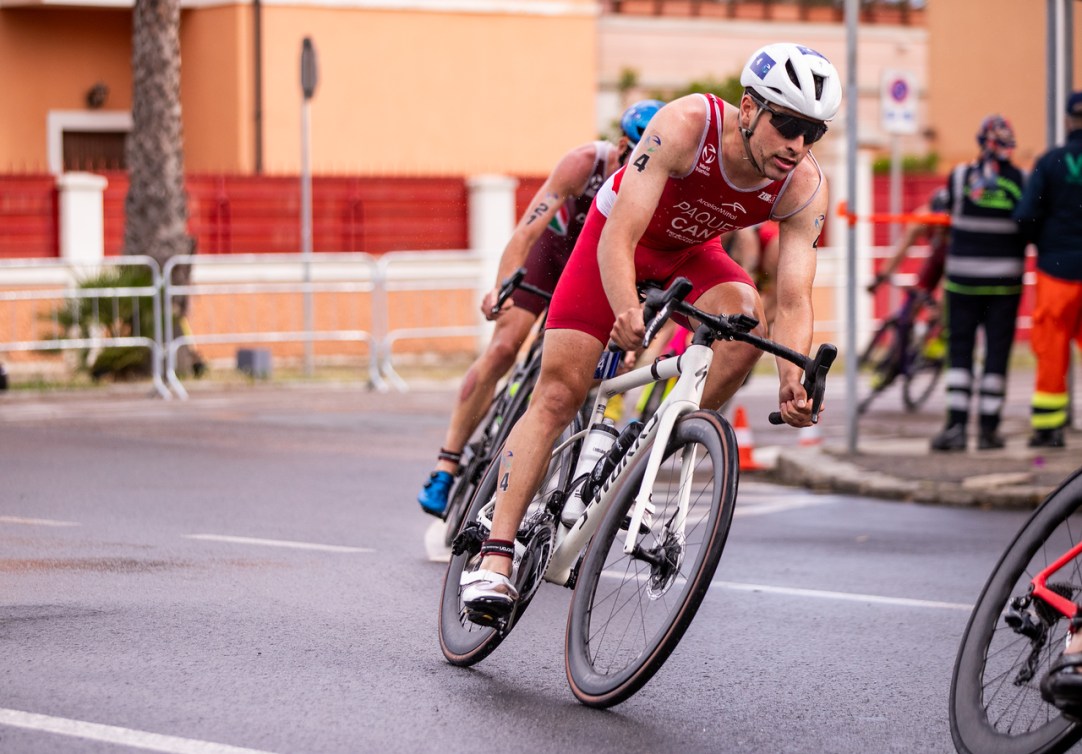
<point x="136" y="739"/>
<point x="761" y="509"/>
<point x="437" y="551"/>
<point x="847" y="596"/>
<point x="35" y="521"/>
<point x="276" y="543"/>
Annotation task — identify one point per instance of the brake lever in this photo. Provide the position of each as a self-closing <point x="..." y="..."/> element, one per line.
<point x="507" y="287"/>
<point x="815" y="381"/>
<point x="658" y="306"/>
<point x="824" y="358"/>
<point x="655" y="323"/>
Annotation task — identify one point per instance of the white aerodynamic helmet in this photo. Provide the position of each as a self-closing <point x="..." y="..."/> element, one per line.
<point x="796" y="77"/>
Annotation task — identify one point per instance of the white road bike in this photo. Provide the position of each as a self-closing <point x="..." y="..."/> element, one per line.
<point x="641" y="556"/>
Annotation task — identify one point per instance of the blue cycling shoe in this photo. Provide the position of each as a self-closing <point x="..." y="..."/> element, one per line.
<point x="433" y="496"/>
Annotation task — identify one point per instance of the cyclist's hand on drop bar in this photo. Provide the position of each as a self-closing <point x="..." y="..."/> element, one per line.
<point x="794" y="405"/>
<point x="489" y="304"/>
<point x="629" y="330"/>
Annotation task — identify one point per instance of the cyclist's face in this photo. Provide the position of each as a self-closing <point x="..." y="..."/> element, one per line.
<point x="777" y="148"/>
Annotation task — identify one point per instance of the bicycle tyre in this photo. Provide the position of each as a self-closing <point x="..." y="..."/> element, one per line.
<point x="603" y="670"/>
<point x="507" y="409"/>
<point x="462" y="642"/>
<point x="920" y="382"/>
<point x="871" y="355"/>
<point x="475" y="462"/>
<point x="880" y="357"/>
<point x="992" y="712"/>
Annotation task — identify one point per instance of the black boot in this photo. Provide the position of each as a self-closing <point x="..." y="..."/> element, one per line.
<point x="1047" y="438"/>
<point x="989" y="439"/>
<point x="952" y="438"/>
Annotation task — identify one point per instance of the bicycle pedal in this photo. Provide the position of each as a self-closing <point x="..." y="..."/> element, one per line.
<point x="487" y="618"/>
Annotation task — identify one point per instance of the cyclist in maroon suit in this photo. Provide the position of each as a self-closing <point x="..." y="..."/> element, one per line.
<point x="542" y="241"/>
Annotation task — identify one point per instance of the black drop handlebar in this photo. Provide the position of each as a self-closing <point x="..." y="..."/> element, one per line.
<point x="660" y="304"/>
<point x="515" y="282"/>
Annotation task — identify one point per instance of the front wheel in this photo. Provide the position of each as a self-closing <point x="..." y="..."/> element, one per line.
<point x="629" y="611"/>
<point x="995" y="701"/>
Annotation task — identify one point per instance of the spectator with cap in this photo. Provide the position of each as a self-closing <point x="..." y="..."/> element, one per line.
<point x="1050" y="215"/>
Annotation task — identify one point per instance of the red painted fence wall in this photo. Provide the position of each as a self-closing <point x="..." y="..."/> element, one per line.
<point x="250" y="214"/>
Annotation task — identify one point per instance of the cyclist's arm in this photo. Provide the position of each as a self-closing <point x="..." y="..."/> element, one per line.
<point x="905" y="243"/>
<point x="794" y="320"/>
<point x="566" y="180"/>
<point x="677" y="128"/>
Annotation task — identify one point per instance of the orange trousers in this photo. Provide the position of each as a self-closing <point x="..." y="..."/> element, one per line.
<point x="1057" y="319"/>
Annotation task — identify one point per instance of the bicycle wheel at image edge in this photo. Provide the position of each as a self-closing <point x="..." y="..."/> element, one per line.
<point x="995" y="700"/>
<point x="627" y="615"/>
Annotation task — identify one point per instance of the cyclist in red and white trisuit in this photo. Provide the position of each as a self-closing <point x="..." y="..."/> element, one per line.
<point x="704" y="167"/>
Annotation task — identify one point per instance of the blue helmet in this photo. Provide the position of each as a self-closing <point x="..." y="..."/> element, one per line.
<point x="633" y="121"/>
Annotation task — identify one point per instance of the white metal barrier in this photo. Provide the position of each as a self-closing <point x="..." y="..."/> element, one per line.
<point x="31" y="284"/>
<point x="360" y="285"/>
<point x="248" y="279"/>
<point x="421" y="271"/>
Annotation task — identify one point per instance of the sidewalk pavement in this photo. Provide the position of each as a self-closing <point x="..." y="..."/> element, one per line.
<point x="894" y="460"/>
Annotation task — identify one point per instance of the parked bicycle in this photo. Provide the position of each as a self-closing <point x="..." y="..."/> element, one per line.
<point x="507" y="407"/>
<point x="911" y="344"/>
<point x="1019" y="626"/>
<point x="658" y="507"/>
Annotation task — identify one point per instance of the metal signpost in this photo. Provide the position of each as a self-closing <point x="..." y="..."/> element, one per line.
<point x="852" y="11"/>
<point x="309" y="76"/>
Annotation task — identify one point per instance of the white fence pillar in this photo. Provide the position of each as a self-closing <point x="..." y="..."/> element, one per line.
<point x="834" y="167"/>
<point x="491" y="221"/>
<point x="82" y="224"/>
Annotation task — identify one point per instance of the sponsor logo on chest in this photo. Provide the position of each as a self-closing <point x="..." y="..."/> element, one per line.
<point x="700" y="220"/>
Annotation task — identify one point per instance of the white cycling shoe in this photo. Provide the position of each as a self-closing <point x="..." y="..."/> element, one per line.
<point x="487" y="597"/>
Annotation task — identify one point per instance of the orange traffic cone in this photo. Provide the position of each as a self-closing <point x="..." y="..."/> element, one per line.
<point x="744" y="441"/>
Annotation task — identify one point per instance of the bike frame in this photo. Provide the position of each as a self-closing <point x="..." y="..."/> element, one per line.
<point x="1042" y="592"/>
<point x="685" y="397"/>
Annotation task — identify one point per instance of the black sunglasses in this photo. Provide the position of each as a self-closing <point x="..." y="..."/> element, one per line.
<point x="792" y="126"/>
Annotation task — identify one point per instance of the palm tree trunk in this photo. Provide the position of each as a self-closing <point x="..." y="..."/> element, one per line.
<point x="156" y="208"/>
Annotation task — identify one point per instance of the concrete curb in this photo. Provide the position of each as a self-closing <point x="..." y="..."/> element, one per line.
<point x="818" y="469"/>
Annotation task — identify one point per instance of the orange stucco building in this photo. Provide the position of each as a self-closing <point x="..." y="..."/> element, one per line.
<point x="425" y="86"/>
<point x="460" y="87"/>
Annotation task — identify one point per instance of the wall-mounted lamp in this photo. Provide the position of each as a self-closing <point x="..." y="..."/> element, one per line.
<point x="96" y="95"/>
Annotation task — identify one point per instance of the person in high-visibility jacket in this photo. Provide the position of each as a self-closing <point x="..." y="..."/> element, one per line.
<point x="984" y="268"/>
<point x="1050" y="215"/>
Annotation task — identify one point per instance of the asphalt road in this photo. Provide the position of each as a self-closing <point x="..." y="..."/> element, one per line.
<point x="247" y="571"/>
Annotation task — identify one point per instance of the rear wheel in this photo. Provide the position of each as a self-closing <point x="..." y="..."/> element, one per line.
<point x="463" y="642"/>
<point x="629" y="612"/>
<point x="995" y="701"/>
<point x="507" y="409"/>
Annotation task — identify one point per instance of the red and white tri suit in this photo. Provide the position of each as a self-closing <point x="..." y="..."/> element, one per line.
<point x="681" y="239"/>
